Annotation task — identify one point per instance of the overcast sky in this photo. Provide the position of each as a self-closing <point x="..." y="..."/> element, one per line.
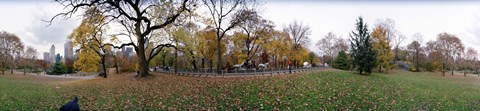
<point x="24" y="18"/>
<point x="427" y="17"/>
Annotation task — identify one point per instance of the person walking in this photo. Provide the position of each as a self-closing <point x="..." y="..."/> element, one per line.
<point x="290" y="66"/>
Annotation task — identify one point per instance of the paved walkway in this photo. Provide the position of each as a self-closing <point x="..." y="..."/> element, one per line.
<point x="70" y="76"/>
<point x="67" y="76"/>
<point x="461" y="74"/>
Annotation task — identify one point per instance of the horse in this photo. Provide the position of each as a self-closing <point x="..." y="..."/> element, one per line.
<point x="241" y="66"/>
<point x="238" y="65"/>
<point x="263" y="65"/>
<point x="307" y="65"/>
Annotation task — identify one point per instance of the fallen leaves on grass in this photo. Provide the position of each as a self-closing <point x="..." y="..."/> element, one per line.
<point x="328" y="90"/>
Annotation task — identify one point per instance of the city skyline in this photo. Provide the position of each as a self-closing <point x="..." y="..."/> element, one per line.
<point x="70" y="53"/>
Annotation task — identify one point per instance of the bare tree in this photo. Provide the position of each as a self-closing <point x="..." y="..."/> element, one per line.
<point x="29" y="58"/>
<point x="326" y="44"/>
<point x="389" y="25"/>
<point x="139" y="19"/>
<point x="299" y="33"/>
<point x="397" y="40"/>
<point x="451" y="47"/>
<point x="10" y="48"/>
<point x="255" y="28"/>
<point x="418" y="37"/>
<point x="394" y="36"/>
<point x="415" y="49"/>
<point x="222" y="10"/>
<point x="469" y="59"/>
<point x="331" y="44"/>
<point x="341" y="44"/>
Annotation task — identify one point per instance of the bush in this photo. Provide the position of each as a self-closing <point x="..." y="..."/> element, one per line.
<point x="128" y="67"/>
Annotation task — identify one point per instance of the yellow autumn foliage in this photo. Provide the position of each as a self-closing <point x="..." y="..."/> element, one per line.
<point x="88" y="37"/>
<point x="381" y="45"/>
<point x="87" y="61"/>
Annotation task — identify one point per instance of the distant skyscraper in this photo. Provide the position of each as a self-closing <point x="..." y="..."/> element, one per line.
<point x="123" y="51"/>
<point x="127" y="51"/>
<point x="68" y="50"/>
<point x="46" y="56"/>
<point x="52" y="54"/>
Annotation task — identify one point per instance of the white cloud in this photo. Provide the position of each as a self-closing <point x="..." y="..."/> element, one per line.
<point x="25" y="20"/>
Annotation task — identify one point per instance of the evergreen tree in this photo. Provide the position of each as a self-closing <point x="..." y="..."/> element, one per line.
<point x="58" y="68"/>
<point x="363" y="57"/>
<point x="341" y="62"/>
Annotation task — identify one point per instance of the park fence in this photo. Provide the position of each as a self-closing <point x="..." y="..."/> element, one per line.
<point x="234" y="73"/>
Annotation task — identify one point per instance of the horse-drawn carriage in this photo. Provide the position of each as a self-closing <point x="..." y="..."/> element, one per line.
<point x="244" y="66"/>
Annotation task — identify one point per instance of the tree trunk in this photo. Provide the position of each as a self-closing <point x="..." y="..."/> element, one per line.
<point x="219" y="54"/>
<point x="116" y="69"/>
<point x="203" y="63"/>
<point x="164" y="59"/>
<point x="104" y="67"/>
<point x="24" y="71"/>
<point x="211" y="64"/>
<point x="396" y="55"/>
<point x="452" y="72"/>
<point x="247" y="64"/>
<point x="194" y="64"/>
<point x="311" y="61"/>
<point x="140" y="49"/>
<point x="443" y="69"/>
<point x="176" y="60"/>
<point x="275" y="61"/>
<point x="116" y="65"/>
<point x="380" y="69"/>
<point x="295" y="63"/>
<point x="143" y="65"/>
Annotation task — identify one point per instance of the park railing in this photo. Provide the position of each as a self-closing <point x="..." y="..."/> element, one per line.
<point x="229" y="73"/>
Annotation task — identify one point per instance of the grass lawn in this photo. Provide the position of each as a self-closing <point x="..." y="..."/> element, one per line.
<point x="328" y="89"/>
